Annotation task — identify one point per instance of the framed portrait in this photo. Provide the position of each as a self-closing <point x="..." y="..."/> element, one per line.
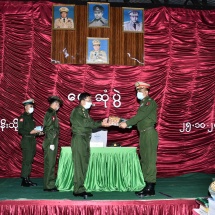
<point x="63" y="17"/>
<point x="97" y="50"/>
<point x="98" y="15"/>
<point x="133" y="20"/>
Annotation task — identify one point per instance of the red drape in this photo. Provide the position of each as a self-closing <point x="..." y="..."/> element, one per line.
<point x="179" y="65"/>
<point x="67" y="207"/>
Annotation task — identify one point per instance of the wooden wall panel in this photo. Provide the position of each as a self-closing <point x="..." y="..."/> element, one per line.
<point x="123" y="46"/>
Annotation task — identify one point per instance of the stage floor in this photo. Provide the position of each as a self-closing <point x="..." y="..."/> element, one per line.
<point x="183" y="187"/>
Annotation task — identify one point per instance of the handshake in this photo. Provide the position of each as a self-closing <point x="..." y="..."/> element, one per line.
<point x="115" y="121"/>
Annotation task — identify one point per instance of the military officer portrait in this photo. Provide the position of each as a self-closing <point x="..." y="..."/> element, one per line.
<point x="98" y="15"/>
<point x="146" y="119"/>
<point x="133" y="20"/>
<point x="99" y="54"/>
<point x="27" y="128"/>
<point x="63" y="17"/>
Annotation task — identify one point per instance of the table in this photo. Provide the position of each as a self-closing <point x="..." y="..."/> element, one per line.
<point x="110" y="169"/>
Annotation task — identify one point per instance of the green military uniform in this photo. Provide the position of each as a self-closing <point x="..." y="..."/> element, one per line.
<point x="82" y="125"/>
<point x="51" y="130"/>
<point x="145" y="120"/>
<point x="26" y="124"/>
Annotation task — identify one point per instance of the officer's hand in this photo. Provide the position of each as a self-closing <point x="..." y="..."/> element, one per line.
<point x="52" y="147"/>
<point x="34" y="131"/>
<point x="41" y="133"/>
<point x="105" y="123"/>
<point x="123" y="125"/>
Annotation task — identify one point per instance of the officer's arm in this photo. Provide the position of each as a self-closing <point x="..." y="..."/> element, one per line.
<point x="72" y="24"/>
<point x="77" y="118"/>
<point x="142" y="113"/>
<point x="48" y="127"/>
<point x="90" y="123"/>
<point x="104" y="56"/>
<point x="47" y="122"/>
<point x="21" y="128"/>
<point x="56" y="23"/>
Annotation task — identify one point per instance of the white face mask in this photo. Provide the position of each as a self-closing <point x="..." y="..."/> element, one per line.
<point x="87" y="105"/>
<point x="140" y="96"/>
<point x="31" y="110"/>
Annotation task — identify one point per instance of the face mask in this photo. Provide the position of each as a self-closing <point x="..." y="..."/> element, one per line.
<point x="140" y="96"/>
<point x="31" y="110"/>
<point x="87" y="105"/>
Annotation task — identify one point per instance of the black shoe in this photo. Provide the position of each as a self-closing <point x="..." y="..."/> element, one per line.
<point x="31" y="182"/>
<point x="83" y="194"/>
<point x="51" y="190"/>
<point x="137" y="192"/>
<point x="149" y="190"/>
<point x="25" y="182"/>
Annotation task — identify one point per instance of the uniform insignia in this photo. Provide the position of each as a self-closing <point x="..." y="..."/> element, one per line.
<point x="148" y="103"/>
<point x="53" y="118"/>
<point x="21" y="120"/>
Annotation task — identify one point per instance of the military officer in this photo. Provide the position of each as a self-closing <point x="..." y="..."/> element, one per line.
<point x="99" y="20"/>
<point x="82" y="125"/>
<point x="50" y="143"/>
<point x="26" y="127"/>
<point x="133" y="24"/>
<point x="145" y="119"/>
<point x="64" y="21"/>
<point x="97" y="55"/>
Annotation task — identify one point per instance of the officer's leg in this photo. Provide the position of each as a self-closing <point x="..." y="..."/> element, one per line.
<point x="26" y="157"/>
<point x="80" y="158"/>
<point x="32" y="154"/>
<point x="49" y="165"/>
<point x="151" y="143"/>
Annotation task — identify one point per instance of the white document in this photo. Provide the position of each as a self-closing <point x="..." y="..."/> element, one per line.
<point x="99" y="138"/>
<point x="39" y="128"/>
<point x="211" y="206"/>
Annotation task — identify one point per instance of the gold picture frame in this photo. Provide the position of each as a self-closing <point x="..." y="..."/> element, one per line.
<point x="133" y="20"/>
<point x="97" y="50"/>
<point x="63" y="17"/>
<point x="98" y="15"/>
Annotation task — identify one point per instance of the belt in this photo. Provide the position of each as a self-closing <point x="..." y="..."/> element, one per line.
<point x="85" y="135"/>
<point x="147" y="129"/>
<point x="28" y="136"/>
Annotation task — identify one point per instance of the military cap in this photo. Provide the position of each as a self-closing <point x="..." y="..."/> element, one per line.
<point x="140" y="84"/>
<point x="96" y="42"/>
<point x="98" y="8"/>
<point x="28" y="102"/>
<point x="64" y="9"/>
<point x="133" y="13"/>
<point x="52" y="99"/>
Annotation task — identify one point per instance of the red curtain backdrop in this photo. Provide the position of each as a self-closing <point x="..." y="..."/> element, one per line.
<point x="179" y="65"/>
